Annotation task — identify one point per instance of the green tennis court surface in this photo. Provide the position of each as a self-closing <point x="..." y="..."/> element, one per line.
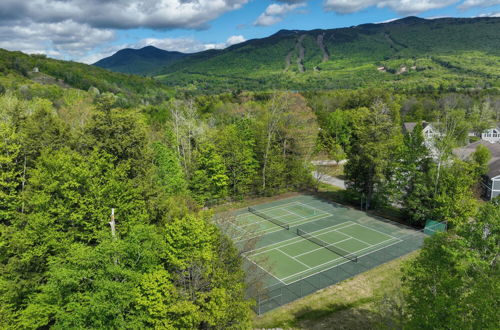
<point x="295" y="246"/>
<point x="296" y="258"/>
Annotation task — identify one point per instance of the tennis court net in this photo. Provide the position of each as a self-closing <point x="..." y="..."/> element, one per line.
<point x="268" y="218"/>
<point x="334" y="249"/>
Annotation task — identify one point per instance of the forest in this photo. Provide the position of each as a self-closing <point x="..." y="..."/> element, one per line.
<point x="76" y="145"/>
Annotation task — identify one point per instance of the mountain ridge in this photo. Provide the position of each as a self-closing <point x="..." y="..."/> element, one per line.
<point x="139" y="61"/>
<point x="339" y="58"/>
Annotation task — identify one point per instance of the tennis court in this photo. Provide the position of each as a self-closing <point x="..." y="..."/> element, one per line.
<point x="292" y="260"/>
<point x="298" y="245"/>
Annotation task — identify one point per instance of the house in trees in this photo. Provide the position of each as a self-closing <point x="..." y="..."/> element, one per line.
<point x="491" y="181"/>
<point x="491" y="135"/>
<point x="428" y="130"/>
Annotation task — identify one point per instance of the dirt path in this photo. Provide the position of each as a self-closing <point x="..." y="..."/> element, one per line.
<point x="321" y="44"/>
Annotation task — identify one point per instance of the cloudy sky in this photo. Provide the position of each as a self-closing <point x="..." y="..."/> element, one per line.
<point x="87" y="30"/>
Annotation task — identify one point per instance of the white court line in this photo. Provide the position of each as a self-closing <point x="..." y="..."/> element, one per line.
<point x="370" y="246"/>
<point x="357" y="239"/>
<point x="360" y="256"/>
<point x="256" y="264"/>
<point x="290" y="211"/>
<point x="293" y="223"/>
<point x="268" y="208"/>
<point x="239" y="230"/>
<point x="311" y="207"/>
<point x="261" y="221"/>
<point x="328" y="262"/>
<point x="376" y="230"/>
<point x="264" y="221"/>
<point x="374" y="245"/>
<point x="293" y="258"/>
<point x="298" y="239"/>
<point x="299" y="255"/>
<point x="270" y="298"/>
<point x="238" y="227"/>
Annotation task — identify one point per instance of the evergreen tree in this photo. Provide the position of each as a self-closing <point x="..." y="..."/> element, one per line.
<point x="412" y="178"/>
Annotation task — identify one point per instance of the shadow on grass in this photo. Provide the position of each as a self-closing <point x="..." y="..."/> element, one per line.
<point x="338" y="316"/>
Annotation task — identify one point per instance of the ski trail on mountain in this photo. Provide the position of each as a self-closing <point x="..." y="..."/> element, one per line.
<point x="321" y="44"/>
<point x="300" y="51"/>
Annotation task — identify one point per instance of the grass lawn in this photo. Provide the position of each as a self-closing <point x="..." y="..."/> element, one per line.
<point x="358" y="303"/>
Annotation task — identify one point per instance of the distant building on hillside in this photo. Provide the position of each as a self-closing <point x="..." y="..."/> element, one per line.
<point x="36" y="70"/>
<point x="491" y="183"/>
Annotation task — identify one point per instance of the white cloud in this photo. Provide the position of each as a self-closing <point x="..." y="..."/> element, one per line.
<point x="275" y="13"/>
<point x="184" y="45"/>
<point x="74" y="29"/>
<point x="404" y="7"/>
<point x="478" y="3"/>
<point x="66" y="39"/>
<point x="121" y="14"/>
<point x="233" y="40"/>
<point x="497" y="14"/>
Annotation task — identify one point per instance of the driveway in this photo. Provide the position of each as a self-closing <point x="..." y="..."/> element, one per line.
<point x="329" y="179"/>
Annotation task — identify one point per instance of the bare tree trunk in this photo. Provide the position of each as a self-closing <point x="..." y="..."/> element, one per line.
<point x="23" y="184"/>
<point x="112" y="224"/>
<point x="266" y="156"/>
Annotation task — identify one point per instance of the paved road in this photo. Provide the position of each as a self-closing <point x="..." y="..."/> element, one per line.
<point x="329" y="179"/>
<point x="328" y="162"/>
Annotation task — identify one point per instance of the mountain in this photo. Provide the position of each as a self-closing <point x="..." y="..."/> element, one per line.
<point x="139" y="61"/>
<point x="410" y="52"/>
<point x="35" y="71"/>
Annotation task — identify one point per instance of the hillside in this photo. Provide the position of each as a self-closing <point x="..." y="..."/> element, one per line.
<point x="139" y="61"/>
<point x="18" y="69"/>
<point x="463" y="52"/>
<point x="438" y="53"/>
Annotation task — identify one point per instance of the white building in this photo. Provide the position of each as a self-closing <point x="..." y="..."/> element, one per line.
<point x="491" y="135"/>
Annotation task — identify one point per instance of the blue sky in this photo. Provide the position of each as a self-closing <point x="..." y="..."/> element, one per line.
<point x="87" y="30"/>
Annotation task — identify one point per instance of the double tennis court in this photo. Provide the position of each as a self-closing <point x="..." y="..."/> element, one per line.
<point x="295" y="246"/>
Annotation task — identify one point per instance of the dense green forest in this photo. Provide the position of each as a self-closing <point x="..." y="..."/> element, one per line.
<point x="406" y="55"/>
<point x="70" y="156"/>
<point x="78" y="141"/>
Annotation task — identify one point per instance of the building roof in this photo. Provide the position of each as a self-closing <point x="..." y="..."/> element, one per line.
<point x="410" y="126"/>
<point x="494" y="169"/>
<point x="493" y="165"/>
